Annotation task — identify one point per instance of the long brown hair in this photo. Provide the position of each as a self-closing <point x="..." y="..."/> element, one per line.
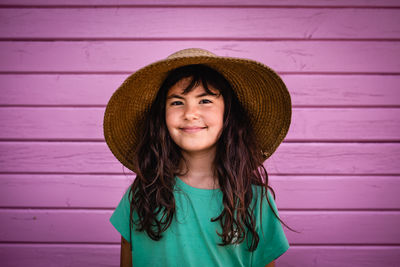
<point x="238" y="164"/>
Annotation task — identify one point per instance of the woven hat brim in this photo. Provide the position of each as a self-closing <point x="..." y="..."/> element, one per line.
<point x="259" y="89"/>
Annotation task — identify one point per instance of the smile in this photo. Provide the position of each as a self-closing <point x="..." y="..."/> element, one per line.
<point x="192" y="129"/>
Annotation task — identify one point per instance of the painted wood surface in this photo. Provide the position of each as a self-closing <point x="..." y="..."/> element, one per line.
<point x="219" y="23"/>
<point x="239" y="3"/>
<point x="84" y="255"/>
<point x="331" y="90"/>
<point x="292" y="192"/>
<point x="316" y="57"/>
<point x="336" y="176"/>
<point x="59" y="255"/>
<point x="37" y="225"/>
<point x="309" y="124"/>
<point x="290" y="158"/>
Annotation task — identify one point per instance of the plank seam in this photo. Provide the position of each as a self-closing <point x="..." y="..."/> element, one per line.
<point x="270" y="174"/>
<point x="101" y="140"/>
<point x="130" y="72"/>
<point x="347" y="245"/>
<point x="300" y="176"/>
<point x="290" y="73"/>
<point x="99" y="5"/>
<point x="316" y="210"/>
<point x="341" y="107"/>
<point x="244" y="39"/>
<point x="287" y="211"/>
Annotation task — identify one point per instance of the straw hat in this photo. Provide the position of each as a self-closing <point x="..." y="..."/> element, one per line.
<point x="259" y="89"/>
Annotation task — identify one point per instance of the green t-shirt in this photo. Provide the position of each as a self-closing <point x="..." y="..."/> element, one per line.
<point x="191" y="239"/>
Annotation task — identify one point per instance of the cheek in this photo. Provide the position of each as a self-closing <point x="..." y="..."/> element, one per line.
<point x="215" y="118"/>
<point x="218" y="115"/>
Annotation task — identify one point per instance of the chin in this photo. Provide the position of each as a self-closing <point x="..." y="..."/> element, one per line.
<point x="197" y="149"/>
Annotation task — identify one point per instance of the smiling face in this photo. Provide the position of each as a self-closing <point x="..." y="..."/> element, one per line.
<point x="195" y="119"/>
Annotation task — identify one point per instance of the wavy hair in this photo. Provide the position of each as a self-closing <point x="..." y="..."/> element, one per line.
<point x="238" y="164"/>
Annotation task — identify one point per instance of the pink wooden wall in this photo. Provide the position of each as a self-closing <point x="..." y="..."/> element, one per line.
<point x="336" y="175"/>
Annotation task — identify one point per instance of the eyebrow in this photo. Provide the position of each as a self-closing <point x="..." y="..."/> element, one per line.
<point x="180" y="97"/>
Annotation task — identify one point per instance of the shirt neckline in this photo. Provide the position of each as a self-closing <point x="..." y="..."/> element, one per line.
<point x="194" y="190"/>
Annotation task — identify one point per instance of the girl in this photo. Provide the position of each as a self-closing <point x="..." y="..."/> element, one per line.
<point x="196" y="129"/>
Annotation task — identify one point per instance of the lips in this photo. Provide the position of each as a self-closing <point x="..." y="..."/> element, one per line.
<point x="192" y="129"/>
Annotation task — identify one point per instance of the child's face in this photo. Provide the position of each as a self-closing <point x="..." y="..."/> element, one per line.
<point x="194" y="120"/>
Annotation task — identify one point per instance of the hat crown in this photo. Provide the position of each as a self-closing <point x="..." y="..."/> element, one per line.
<point x="191" y="52"/>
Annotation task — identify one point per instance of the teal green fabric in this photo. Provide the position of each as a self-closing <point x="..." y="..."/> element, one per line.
<point x="191" y="240"/>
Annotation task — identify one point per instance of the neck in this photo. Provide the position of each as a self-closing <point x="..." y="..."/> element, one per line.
<point x="198" y="169"/>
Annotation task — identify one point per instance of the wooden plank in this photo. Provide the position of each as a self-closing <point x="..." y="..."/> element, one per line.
<point x="357" y="228"/>
<point x="63" y="89"/>
<point x="327" y="124"/>
<point x="343" y="90"/>
<point x="96" y="89"/>
<point x="331" y="158"/>
<point x="336" y="192"/>
<point x="216" y="23"/>
<point x="360" y="227"/>
<point x="82" y="255"/>
<point x="60" y="123"/>
<point x="308" y="124"/>
<point x="62" y="191"/>
<point x="344" y="256"/>
<point x="65" y="190"/>
<point x="258" y="3"/>
<point x="128" y="56"/>
<point x="292" y="192"/>
<point x="56" y="255"/>
<point x="57" y="226"/>
<point x="289" y="158"/>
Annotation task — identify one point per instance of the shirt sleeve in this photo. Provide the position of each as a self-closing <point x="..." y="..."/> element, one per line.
<point x="120" y="217"/>
<point x="273" y="242"/>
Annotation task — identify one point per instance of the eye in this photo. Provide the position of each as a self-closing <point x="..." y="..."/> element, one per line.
<point x="205" y="101"/>
<point x="175" y="103"/>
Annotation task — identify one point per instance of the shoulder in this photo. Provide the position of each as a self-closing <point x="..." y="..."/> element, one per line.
<point x="263" y="202"/>
<point x="260" y="193"/>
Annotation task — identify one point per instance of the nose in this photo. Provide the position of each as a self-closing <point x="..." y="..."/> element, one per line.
<point x="191" y="112"/>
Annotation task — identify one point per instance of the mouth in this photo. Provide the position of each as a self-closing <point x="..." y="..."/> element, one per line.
<point x="192" y="129"/>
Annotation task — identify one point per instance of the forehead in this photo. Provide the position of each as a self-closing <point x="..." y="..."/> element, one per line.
<point x="181" y="85"/>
